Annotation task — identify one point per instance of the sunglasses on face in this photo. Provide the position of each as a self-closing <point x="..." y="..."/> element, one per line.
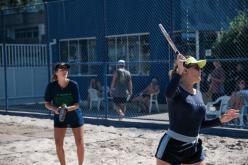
<point x="196" y="67"/>
<point x="242" y="82"/>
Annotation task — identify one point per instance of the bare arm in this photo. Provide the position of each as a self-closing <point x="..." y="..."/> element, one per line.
<point x="73" y="107"/>
<point x="113" y="83"/>
<point x="218" y="79"/>
<point x="147" y="90"/>
<point x="51" y="107"/>
<point x="55" y="109"/>
<point x="229" y="115"/>
<point x="130" y="86"/>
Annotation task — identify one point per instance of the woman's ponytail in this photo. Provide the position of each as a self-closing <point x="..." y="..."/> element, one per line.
<point x="54" y="77"/>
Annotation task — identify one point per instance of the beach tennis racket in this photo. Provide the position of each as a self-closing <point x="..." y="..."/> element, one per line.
<point x="168" y="38"/>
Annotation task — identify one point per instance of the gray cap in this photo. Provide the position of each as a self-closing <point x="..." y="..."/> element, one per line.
<point x="154" y="80"/>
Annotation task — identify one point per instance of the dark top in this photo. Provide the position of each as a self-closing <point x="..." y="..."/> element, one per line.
<point x="186" y="111"/>
<point x="59" y="96"/>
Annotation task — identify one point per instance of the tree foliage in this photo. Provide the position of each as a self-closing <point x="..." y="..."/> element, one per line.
<point x="5" y="4"/>
<point x="234" y="41"/>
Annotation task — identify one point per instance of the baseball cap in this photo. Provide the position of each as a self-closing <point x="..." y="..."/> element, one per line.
<point x="61" y="66"/>
<point x="154" y="80"/>
<point x="121" y="62"/>
<point x="191" y="60"/>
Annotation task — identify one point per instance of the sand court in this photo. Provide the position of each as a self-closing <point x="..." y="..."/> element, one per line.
<point x="25" y="140"/>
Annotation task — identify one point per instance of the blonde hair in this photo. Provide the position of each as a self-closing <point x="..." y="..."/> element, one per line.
<point x="173" y="71"/>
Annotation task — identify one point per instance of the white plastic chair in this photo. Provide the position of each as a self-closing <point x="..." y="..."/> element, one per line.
<point x="94" y="98"/>
<point x="243" y="113"/>
<point x="153" y="100"/>
<point x="211" y="110"/>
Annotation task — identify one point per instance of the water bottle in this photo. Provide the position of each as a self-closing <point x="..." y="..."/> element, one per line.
<point x="62" y="112"/>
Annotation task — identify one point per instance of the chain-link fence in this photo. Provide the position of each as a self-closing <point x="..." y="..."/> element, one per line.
<point x="92" y="36"/>
<point x="24" y="57"/>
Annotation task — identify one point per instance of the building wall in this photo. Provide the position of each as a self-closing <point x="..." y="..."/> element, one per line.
<point x="100" y="19"/>
<point x="92" y="18"/>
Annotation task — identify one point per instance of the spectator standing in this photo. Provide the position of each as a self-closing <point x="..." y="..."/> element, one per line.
<point x="216" y="78"/>
<point x="121" y="88"/>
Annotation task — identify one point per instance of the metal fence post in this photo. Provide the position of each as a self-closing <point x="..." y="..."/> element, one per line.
<point x="47" y="49"/>
<point x="105" y="91"/>
<point x="5" y="63"/>
<point x="104" y="50"/>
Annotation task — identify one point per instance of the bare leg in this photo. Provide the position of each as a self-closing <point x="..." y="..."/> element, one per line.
<point x="119" y="110"/>
<point x="79" y="140"/>
<point x="199" y="163"/>
<point x="123" y="108"/>
<point x="59" y="135"/>
<point x="139" y="102"/>
<point x="160" y="162"/>
<point x="146" y="101"/>
<point x="137" y="99"/>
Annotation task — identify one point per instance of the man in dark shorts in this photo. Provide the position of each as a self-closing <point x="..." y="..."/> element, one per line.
<point x="121" y="88"/>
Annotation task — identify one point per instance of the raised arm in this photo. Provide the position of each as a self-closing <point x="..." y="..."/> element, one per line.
<point x="175" y="79"/>
<point x="112" y="86"/>
<point x="172" y="86"/>
<point x="130" y="86"/>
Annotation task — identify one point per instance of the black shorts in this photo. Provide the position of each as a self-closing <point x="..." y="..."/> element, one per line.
<point x="120" y="100"/>
<point x="177" y="152"/>
<point x="146" y="95"/>
<point x="73" y="119"/>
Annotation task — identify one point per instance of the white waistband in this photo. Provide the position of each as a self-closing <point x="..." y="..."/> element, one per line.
<point x="180" y="137"/>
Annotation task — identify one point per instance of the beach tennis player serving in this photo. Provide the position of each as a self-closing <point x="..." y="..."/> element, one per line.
<point x="181" y="143"/>
<point x="62" y="98"/>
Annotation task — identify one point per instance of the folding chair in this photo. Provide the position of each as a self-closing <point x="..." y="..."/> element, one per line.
<point x="153" y="100"/>
<point x="243" y="113"/>
<point x="94" y="98"/>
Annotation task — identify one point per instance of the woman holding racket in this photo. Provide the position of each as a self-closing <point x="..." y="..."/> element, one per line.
<point x="181" y="143"/>
<point x="63" y="94"/>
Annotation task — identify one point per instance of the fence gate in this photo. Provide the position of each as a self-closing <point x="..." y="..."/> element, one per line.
<point x="27" y="74"/>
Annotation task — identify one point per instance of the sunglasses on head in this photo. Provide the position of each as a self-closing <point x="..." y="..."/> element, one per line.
<point x="63" y="68"/>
